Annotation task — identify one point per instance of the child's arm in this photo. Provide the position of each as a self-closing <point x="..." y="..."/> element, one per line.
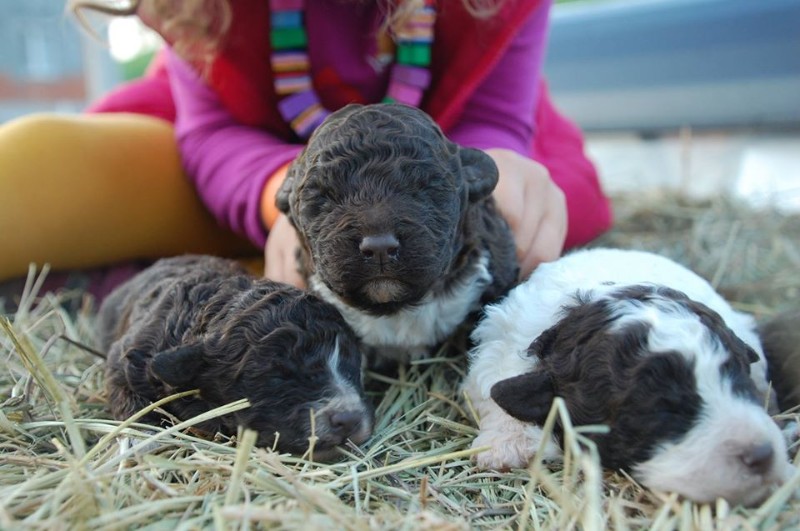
<point x="229" y="163"/>
<point x="510" y="113"/>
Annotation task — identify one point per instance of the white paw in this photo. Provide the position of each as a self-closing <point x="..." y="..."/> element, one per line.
<point x="506" y="450"/>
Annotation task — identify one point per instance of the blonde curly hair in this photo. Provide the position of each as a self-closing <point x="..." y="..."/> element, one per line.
<point x="197" y="28"/>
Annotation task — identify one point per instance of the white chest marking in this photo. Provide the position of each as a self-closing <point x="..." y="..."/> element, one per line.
<point x="421" y="326"/>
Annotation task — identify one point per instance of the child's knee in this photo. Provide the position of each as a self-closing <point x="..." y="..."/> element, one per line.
<point x="36" y="135"/>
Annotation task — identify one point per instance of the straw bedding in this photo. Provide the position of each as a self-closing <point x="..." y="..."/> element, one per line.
<point x="65" y="464"/>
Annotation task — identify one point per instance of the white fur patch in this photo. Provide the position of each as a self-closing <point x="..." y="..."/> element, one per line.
<point x="707" y="463"/>
<point x="414" y="330"/>
<point x="345" y="391"/>
<point x="344" y="398"/>
<point x="511" y="443"/>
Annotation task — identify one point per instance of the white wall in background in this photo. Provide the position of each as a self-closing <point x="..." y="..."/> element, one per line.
<point x="761" y="168"/>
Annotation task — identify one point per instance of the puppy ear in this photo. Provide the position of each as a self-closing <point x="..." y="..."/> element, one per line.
<point x="284" y="194"/>
<point x="542" y="346"/>
<point x="752" y="357"/>
<point x="178" y="367"/>
<point x="527" y="397"/>
<point x="479" y="171"/>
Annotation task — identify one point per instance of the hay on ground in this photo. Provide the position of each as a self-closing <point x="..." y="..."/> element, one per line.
<point x="65" y="464"/>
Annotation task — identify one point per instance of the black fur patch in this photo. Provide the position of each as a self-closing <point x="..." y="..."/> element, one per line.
<point x="736" y="369"/>
<point x="609" y="378"/>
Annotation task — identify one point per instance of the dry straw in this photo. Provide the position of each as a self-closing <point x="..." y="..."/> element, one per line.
<point x="64" y="464"/>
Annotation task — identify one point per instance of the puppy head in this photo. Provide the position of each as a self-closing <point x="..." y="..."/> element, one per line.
<point x="293" y="357"/>
<point x="379" y="197"/>
<point x="671" y="381"/>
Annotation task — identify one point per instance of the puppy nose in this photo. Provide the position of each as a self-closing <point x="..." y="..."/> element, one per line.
<point x="345" y="423"/>
<point x="758" y="458"/>
<point x="380" y="247"/>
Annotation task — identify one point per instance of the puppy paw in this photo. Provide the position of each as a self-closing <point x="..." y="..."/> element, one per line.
<point x="506" y="450"/>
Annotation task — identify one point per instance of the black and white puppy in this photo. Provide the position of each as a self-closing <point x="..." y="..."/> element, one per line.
<point x="397" y="226"/>
<point x="198" y="322"/>
<point x="643" y="345"/>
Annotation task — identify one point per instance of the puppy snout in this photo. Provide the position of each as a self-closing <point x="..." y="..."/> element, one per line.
<point x="345" y="423"/>
<point x="380" y="248"/>
<point x="759" y="458"/>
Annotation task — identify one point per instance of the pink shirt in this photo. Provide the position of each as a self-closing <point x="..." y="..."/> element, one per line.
<point x="229" y="163"/>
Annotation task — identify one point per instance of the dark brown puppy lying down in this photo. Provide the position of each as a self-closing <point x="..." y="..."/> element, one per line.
<point x="197" y="322"/>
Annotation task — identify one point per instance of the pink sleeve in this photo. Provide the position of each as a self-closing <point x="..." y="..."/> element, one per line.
<point x="229" y="163"/>
<point x="559" y="147"/>
<point x="511" y="109"/>
<point x="499" y="114"/>
<point x="148" y="95"/>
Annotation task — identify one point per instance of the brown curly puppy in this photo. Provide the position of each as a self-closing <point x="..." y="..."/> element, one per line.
<point x="397" y="226"/>
<point x="198" y="322"/>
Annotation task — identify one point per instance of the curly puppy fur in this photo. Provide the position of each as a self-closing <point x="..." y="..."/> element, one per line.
<point x="638" y="343"/>
<point x="197" y="322"/>
<point x="397" y="226"/>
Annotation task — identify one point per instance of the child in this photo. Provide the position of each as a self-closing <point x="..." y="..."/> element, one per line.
<point x="242" y="84"/>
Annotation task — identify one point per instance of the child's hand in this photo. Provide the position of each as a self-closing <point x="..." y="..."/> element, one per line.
<point x="533" y="206"/>
<point x="280" y="253"/>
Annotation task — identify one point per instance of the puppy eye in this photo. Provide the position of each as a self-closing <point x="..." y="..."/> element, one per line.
<point x="318" y="207"/>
